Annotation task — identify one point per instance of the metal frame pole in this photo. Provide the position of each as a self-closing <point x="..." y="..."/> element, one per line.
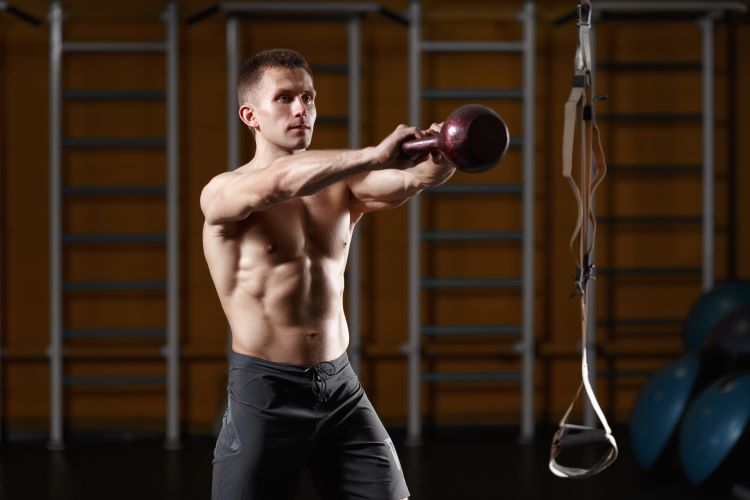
<point x="414" y="424"/>
<point x="55" y="227"/>
<point x="707" y="28"/>
<point x="354" y="42"/>
<point x="233" y="69"/>
<point x="171" y="18"/>
<point x="529" y="232"/>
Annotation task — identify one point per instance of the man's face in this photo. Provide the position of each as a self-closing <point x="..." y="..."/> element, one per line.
<point x="283" y="108"/>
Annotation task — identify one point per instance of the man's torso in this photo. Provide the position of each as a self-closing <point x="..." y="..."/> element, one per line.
<point x="279" y="275"/>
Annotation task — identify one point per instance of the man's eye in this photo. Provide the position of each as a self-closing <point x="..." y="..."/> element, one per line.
<point x="285" y="98"/>
<point x="308" y="98"/>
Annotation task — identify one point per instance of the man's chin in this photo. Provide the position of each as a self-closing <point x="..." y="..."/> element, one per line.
<point x="299" y="144"/>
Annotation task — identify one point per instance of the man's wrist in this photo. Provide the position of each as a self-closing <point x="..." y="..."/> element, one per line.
<point x="371" y="158"/>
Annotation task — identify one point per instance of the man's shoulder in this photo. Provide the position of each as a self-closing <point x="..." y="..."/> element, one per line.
<point x="212" y="188"/>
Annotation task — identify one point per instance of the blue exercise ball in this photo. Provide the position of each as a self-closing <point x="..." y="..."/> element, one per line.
<point x="659" y="408"/>
<point x="713" y="427"/>
<point x="711" y="308"/>
<point x="731" y="337"/>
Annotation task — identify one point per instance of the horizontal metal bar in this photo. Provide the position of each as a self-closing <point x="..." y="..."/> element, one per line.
<point x="113" y="333"/>
<point x="651" y="219"/>
<point x="640" y="321"/>
<point x="101" y="380"/>
<point x="332" y="120"/>
<point x="471" y="377"/>
<point x="113" y="190"/>
<point x="659" y="10"/>
<point x="330" y="68"/>
<point x="301" y="11"/>
<point x="648" y="271"/>
<point x="436" y="330"/>
<point x="682" y="6"/>
<point x="472" y="93"/>
<point x="114" y="47"/>
<point x="648" y="66"/>
<point x="107" y="285"/>
<point x="472" y="282"/>
<point x="477" y="189"/>
<point x="653" y="169"/>
<point x="651" y="117"/>
<point x="470" y="46"/>
<point x="110" y="142"/>
<point x="114" y="95"/>
<point x="296" y="8"/>
<point x="114" y="238"/>
<point x="472" y="235"/>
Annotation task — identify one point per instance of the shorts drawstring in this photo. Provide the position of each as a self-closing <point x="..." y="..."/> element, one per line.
<point x="319" y="384"/>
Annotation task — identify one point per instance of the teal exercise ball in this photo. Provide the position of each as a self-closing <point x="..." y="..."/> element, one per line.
<point x="713" y="435"/>
<point x="711" y="307"/>
<point x="659" y="408"/>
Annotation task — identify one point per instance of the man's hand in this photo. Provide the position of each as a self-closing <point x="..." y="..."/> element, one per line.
<point x="388" y="153"/>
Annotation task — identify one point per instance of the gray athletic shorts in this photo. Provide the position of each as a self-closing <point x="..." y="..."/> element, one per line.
<point x="281" y="418"/>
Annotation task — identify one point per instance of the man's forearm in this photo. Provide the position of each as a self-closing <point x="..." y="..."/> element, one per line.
<point x="429" y="174"/>
<point x="305" y="173"/>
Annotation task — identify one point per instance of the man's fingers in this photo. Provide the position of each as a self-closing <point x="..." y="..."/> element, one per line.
<point x="414" y="132"/>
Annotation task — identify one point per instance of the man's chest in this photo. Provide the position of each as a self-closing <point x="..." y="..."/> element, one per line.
<point x="318" y="225"/>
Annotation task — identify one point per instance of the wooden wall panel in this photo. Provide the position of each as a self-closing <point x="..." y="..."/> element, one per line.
<point x="24" y="152"/>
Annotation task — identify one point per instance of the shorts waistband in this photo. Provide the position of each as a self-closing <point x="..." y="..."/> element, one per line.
<point x="237" y="360"/>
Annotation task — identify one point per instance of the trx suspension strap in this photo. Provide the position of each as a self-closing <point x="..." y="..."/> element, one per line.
<point x="579" y="117"/>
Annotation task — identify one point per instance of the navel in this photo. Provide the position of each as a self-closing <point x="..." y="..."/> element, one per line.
<point x="270" y="247"/>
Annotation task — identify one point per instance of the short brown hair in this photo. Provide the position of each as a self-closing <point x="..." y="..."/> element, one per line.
<point x="252" y="70"/>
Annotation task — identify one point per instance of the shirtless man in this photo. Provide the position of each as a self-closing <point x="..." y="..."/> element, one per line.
<point x="276" y="239"/>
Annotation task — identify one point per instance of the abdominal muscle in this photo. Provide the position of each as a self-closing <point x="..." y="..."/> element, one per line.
<point x="288" y="313"/>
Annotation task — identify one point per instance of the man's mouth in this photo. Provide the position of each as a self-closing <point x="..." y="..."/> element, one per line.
<point x="300" y="126"/>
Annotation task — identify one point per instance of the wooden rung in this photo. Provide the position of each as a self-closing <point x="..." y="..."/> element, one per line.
<point x="639" y="348"/>
<point x="470" y="350"/>
<point x="557" y="349"/>
<point x="112" y="353"/>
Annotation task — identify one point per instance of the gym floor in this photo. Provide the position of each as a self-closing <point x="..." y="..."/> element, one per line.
<point x="455" y="465"/>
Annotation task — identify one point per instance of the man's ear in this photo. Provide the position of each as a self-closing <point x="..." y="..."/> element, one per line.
<point x="247" y="115"/>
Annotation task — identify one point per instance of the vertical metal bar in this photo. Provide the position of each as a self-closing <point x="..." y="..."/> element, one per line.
<point x="529" y="232"/>
<point x="414" y="423"/>
<point x="707" y="28"/>
<point x="171" y="18"/>
<point x="588" y="409"/>
<point x="354" y="38"/>
<point x="732" y="128"/>
<point x="233" y="130"/>
<point x="233" y="69"/>
<point x="55" y="227"/>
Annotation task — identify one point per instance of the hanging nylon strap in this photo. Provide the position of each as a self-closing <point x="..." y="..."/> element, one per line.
<point x="579" y="117"/>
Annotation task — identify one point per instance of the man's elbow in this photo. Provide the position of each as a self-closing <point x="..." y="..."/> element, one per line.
<point x="414" y="185"/>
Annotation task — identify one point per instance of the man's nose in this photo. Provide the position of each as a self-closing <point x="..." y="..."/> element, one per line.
<point x="299" y="108"/>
